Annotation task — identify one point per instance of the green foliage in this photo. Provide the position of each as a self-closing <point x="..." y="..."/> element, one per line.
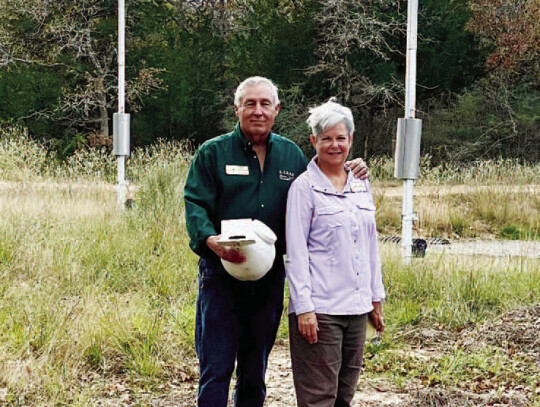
<point x="512" y="232"/>
<point x="26" y="90"/>
<point x="196" y="53"/>
<point x="123" y="300"/>
<point x="448" y="55"/>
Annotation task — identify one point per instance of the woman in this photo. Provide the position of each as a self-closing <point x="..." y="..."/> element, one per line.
<point x="333" y="266"/>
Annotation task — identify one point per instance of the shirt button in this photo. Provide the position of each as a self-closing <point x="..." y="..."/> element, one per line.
<point x="262" y="205"/>
<point x="262" y="182"/>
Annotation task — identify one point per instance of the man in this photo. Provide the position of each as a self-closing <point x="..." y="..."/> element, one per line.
<point x="243" y="174"/>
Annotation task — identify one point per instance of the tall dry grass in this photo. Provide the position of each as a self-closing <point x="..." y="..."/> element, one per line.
<point x="24" y="159"/>
<point x="482" y="172"/>
<point x="497" y="211"/>
<point x="87" y="291"/>
<point x="90" y="295"/>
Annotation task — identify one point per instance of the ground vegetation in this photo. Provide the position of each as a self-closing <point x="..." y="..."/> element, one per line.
<point x="98" y="305"/>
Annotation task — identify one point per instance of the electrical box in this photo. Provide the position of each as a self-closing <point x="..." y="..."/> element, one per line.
<point x="121" y="139"/>
<point x="407" y="158"/>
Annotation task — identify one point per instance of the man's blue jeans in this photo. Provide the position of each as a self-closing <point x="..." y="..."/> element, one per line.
<point x="236" y="321"/>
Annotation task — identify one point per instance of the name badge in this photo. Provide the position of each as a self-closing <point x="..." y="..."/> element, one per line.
<point x="358" y="186"/>
<point x="236" y="170"/>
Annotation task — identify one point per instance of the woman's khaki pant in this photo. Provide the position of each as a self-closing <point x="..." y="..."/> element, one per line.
<point x="326" y="373"/>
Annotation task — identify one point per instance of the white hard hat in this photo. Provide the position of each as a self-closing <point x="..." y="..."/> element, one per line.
<point x="255" y="240"/>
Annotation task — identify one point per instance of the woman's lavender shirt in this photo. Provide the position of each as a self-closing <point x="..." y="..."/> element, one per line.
<point x="333" y="264"/>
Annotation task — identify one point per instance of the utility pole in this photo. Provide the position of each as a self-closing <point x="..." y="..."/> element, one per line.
<point x="121" y="120"/>
<point x="409" y="132"/>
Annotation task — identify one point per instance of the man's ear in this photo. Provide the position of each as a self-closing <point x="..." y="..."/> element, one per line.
<point x="278" y="108"/>
<point x="236" y="110"/>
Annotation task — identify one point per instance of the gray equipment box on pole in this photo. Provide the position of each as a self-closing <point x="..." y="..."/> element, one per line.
<point x="121" y="141"/>
<point x="409" y="133"/>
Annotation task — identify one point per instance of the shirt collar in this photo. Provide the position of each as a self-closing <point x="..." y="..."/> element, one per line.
<point x="246" y="144"/>
<point x="320" y="182"/>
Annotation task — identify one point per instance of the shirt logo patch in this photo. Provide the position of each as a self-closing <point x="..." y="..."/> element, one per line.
<point x="286" y="175"/>
<point x="358" y="186"/>
<point x="236" y="170"/>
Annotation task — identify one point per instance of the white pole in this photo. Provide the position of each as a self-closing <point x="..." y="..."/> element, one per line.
<point x="410" y="109"/>
<point x="121" y="176"/>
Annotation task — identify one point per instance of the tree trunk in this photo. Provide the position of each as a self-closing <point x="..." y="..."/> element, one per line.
<point x="104" y="121"/>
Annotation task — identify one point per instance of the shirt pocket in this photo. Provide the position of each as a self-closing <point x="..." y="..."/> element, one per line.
<point x="365" y="214"/>
<point x="364" y="202"/>
<point x="330" y="216"/>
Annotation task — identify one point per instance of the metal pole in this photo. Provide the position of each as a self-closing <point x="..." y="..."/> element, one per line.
<point x="122" y="183"/>
<point x="121" y="55"/>
<point x="410" y="109"/>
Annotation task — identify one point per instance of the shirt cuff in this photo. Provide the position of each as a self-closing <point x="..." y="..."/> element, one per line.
<point x="303" y="306"/>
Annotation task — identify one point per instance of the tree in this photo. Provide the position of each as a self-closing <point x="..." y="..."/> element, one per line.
<point x="510" y="93"/>
<point x="510" y="29"/>
<point x="356" y="46"/>
<point x="78" y="41"/>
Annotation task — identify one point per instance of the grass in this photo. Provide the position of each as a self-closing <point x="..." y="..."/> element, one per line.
<point x="91" y="296"/>
<point x="456" y="291"/>
<point x="24" y="159"/>
<point x="484" y="172"/>
<point x="503" y="211"/>
<point x="86" y="289"/>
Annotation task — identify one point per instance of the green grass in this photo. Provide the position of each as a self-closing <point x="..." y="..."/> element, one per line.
<point x="86" y="289"/>
<point x="91" y="295"/>
<point x="456" y="292"/>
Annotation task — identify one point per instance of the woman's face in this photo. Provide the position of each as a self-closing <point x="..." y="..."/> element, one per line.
<point x="333" y="145"/>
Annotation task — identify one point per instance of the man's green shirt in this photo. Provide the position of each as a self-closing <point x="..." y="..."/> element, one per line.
<point x="225" y="182"/>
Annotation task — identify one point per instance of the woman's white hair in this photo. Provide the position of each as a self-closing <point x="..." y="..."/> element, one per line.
<point x="255" y="80"/>
<point x="328" y="115"/>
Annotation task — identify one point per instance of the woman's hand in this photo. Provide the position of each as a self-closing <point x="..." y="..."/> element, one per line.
<point x="376" y="316"/>
<point x="307" y="325"/>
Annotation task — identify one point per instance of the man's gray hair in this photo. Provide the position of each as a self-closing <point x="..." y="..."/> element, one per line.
<point x="328" y="115"/>
<point x="255" y="80"/>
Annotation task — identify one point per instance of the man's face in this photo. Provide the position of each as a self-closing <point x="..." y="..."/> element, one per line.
<point x="257" y="113"/>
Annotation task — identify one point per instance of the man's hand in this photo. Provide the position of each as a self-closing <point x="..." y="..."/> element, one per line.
<point x="376" y="317"/>
<point x="308" y="327"/>
<point x="358" y="168"/>
<point x="226" y="253"/>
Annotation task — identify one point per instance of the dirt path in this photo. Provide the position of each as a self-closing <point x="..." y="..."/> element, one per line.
<point x="280" y="388"/>
<point x="514" y="334"/>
